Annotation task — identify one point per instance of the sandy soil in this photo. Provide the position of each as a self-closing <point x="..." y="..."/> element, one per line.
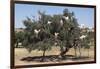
<point x="21" y="53"/>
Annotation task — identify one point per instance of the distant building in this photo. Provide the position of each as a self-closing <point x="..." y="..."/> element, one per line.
<point x="19" y="29"/>
<point x="86" y="29"/>
<point x="92" y="29"/>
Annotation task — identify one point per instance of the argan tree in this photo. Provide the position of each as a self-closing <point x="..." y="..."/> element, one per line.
<point x="37" y="34"/>
<point x="68" y="31"/>
<point x="19" y="37"/>
<point x="60" y="29"/>
<point x="87" y="42"/>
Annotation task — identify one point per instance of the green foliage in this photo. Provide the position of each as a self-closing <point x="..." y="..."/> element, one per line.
<point x="40" y="41"/>
<point x="45" y="39"/>
<point x="88" y="40"/>
<point x="19" y="37"/>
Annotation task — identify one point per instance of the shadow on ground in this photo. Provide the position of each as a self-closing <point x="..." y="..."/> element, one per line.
<point x="53" y="58"/>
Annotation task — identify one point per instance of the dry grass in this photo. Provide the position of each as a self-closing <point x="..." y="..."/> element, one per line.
<point x="22" y="52"/>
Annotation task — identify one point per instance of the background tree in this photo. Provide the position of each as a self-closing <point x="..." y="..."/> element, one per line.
<point x="18" y="38"/>
<point x="88" y="41"/>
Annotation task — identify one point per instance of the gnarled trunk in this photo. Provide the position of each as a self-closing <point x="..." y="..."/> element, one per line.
<point x="63" y="52"/>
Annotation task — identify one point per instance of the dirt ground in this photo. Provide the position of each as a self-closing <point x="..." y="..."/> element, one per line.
<point x="22" y="53"/>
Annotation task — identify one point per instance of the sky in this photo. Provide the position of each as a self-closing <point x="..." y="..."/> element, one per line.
<point x="84" y="15"/>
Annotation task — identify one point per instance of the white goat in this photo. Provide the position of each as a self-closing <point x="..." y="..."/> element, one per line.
<point x="61" y="22"/>
<point x="49" y="22"/>
<point x="83" y="36"/>
<point x="56" y="35"/>
<point x="66" y="17"/>
<point x="36" y="31"/>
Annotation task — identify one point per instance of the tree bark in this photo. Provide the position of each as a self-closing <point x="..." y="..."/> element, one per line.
<point x="43" y="56"/>
<point x="16" y="44"/>
<point x="63" y="52"/>
<point x="44" y="53"/>
<point x="80" y="51"/>
<point x="75" y="52"/>
<point x="88" y="52"/>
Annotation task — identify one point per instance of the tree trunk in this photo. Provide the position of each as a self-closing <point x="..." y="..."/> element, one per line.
<point x="75" y="51"/>
<point x="80" y="51"/>
<point x="16" y="44"/>
<point x="63" y="52"/>
<point x="43" y="56"/>
<point x="44" y="53"/>
<point x="88" y="52"/>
